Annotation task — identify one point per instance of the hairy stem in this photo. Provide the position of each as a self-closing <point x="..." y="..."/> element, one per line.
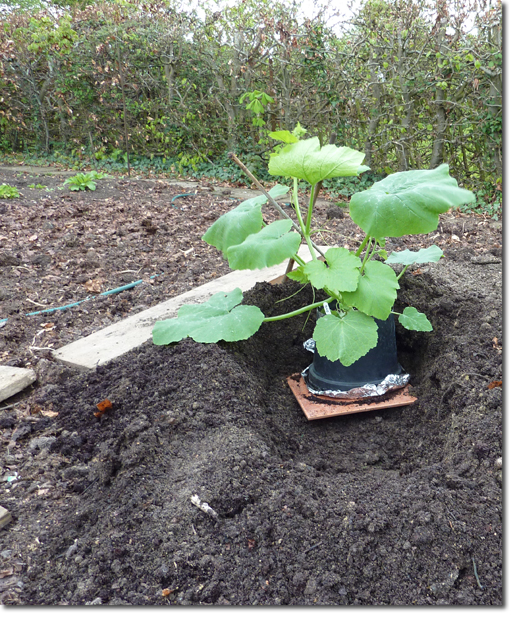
<point x="304" y="309"/>
<point x="304" y="227"/>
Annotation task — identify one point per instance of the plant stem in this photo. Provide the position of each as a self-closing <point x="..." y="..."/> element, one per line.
<point x="362" y="245"/>
<point x="313" y="197"/>
<point x="273" y="202"/>
<point x="304" y="309"/>
<point x="402" y="272"/>
<point x="304" y="228"/>
<point x="366" y="258"/>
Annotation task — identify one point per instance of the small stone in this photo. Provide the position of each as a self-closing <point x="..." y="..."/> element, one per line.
<point x="5" y="517"/>
<point x="72" y="550"/>
<point x="41" y="443"/>
<point x="331" y="579"/>
<point x="498" y="463"/>
<point x="334" y="212"/>
<point x="7" y="259"/>
<point x="41" y="260"/>
<point x="311" y="586"/>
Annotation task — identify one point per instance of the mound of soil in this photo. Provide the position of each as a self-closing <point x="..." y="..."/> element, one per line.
<point x="397" y="507"/>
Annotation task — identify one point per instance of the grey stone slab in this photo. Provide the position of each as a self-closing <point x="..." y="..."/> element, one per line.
<point x="123" y="336"/>
<point x="14" y="380"/>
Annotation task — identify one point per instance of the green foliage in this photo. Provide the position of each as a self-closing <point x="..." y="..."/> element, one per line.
<point x="345" y="338"/>
<point x="488" y="202"/>
<point x="422" y="256"/>
<point x="257" y="102"/>
<point x="268" y="247"/>
<point x="190" y="88"/>
<point x="341" y="271"/>
<point x="235" y="226"/>
<point x="376" y="292"/>
<point x="362" y="287"/>
<point x="222" y="317"/>
<point x="411" y="319"/>
<point x="8" y="192"/>
<point x="84" y="181"/>
<point x="407" y="202"/>
<point x="306" y="160"/>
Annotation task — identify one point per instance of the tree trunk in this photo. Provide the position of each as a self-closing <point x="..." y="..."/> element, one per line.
<point x="375" y="110"/>
<point x="403" y="145"/>
<point x="437" y="154"/>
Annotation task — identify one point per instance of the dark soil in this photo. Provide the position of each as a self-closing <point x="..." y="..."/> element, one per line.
<point x="397" y="507"/>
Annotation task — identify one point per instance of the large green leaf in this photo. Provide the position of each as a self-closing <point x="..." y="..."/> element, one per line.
<point x="408" y="202"/>
<point x="377" y="290"/>
<point x="423" y="256"/>
<point x="308" y="161"/>
<point x="411" y="319"/>
<point x="221" y="317"/>
<point x="269" y="247"/>
<point x="237" y="224"/>
<point x="339" y="273"/>
<point x="346" y="339"/>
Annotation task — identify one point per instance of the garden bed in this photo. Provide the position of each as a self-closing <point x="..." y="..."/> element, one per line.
<point x="391" y="507"/>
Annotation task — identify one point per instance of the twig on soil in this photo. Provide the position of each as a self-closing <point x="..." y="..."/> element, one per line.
<point x="449" y="388"/>
<point x="203" y="505"/>
<point x="313" y="547"/>
<point x="10" y="406"/>
<point x="37" y="303"/>
<point x="476" y="375"/>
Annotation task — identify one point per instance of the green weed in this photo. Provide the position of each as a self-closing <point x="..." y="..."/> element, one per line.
<point x="8" y="192"/>
<point x="83" y="182"/>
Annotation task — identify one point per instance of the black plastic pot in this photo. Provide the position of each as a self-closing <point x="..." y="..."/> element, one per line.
<point x="378" y="363"/>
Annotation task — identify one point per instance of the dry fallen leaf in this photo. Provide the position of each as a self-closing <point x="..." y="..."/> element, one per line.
<point x="48" y="413"/>
<point x="33" y="238"/>
<point x="94" y="285"/>
<point x="5" y="573"/>
<point x="103" y="407"/>
<point x="495" y="384"/>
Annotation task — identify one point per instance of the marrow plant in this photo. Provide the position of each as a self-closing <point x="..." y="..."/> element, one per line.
<point x="360" y="284"/>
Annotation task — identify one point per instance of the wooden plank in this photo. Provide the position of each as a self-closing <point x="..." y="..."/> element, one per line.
<point x="14" y="380"/>
<point x="123" y="336"/>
